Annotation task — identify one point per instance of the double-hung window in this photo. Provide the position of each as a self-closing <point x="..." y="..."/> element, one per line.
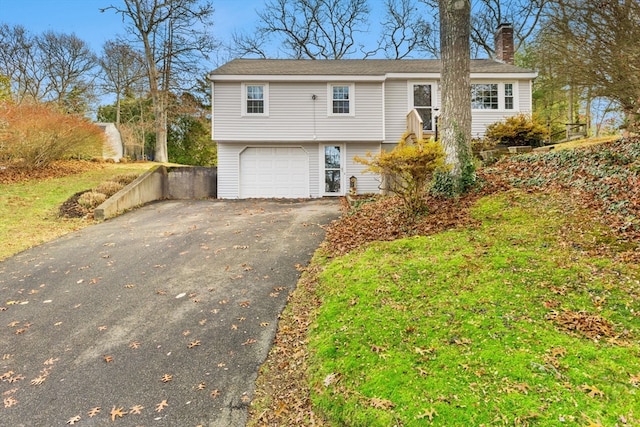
<point x="341" y="100"/>
<point x="255" y="99"/>
<point x="484" y="96"/>
<point x="508" y="96"/>
<point x="493" y="96"/>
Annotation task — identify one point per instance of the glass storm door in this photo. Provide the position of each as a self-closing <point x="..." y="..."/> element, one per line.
<point x="332" y="158"/>
<point x="423" y="103"/>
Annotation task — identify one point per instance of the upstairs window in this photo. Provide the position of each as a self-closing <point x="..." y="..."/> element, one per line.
<point x="255" y="99"/>
<point x="341" y="99"/>
<point x="484" y="96"/>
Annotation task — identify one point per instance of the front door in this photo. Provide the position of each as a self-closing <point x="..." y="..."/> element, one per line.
<point x="332" y="161"/>
<point x="423" y="103"/>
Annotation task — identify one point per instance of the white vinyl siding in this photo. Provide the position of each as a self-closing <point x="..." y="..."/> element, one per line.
<point x="295" y="116"/>
<point x="396" y="104"/>
<point x="521" y="103"/>
<point x="367" y="182"/>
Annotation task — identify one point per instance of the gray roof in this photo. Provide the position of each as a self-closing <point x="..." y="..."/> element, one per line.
<point x="352" y="67"/>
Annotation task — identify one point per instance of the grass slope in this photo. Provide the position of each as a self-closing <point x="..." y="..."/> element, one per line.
<point x="519" y="321"/>
<point x="29" y="207"/>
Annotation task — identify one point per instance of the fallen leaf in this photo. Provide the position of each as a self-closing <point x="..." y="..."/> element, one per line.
<point x="215" y="393"/>
<point x="193" y="344"/>
<point x="382" y="403"/>
<point x="73" y="420"/>
<point x="428" y="413"/>
<point x="107" y="359"/>
<point x="134" y="345"/>
<point x="245" y="304"/>
<point x="117" y="413"/>
<point x="102" y="328"/>
<point x="249" y="341"/>
<point x="9" y="402"/>
<point x="93" y="411"/>
<point x="201" y="386"/>
<point x="166" y="378"/>
<point x="160" y="406"/>
<point x="38" y="380"/>
<point x="51" y="361"/>
<point x="136" y="409"/>
<point x="592" y="390"/>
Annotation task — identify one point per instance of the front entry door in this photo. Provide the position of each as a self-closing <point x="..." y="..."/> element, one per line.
<point x="332" y="161"/>
<point x="423" y="103"/>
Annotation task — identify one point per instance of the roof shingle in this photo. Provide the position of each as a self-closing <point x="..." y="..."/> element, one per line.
<point x="351" y="67"/>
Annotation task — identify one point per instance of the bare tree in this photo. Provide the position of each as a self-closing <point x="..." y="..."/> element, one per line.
<point x="310" y="29"/>
<point x="455" y="119"/>
<point x="597" y="46"/>
<point x="524" y="15"/>
<point x="47" y="67"/>
<point x="123" y="67"/>
<point x="174" y="36"/>
<point x="67" y="62"/>
<point x="20" y="61"/>
<point x="405" y="31"/>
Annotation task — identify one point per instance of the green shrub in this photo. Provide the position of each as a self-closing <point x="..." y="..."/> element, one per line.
<point x="109" y="188"/>
<point x="517" y="130"/>
<point x="91" y="199"/>
<point x="410" y="167"/>
<point x="34" y="135"/>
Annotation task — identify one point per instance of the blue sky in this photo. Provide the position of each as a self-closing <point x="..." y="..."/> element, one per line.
<point x="84" y="18"/>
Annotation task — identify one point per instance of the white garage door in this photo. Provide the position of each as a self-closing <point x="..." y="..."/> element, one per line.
<point x="274" y="172"/>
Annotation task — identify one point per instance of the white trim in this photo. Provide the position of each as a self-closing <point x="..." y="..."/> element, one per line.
<point x="295" y="78"/>
<point x="213" y="102"/>
<point x="265" y="86"/>
<point x="352" y="99"/>
<point x="360" y="78"/>
<point x="434" y="97"/>
<point x="343" y="169"/>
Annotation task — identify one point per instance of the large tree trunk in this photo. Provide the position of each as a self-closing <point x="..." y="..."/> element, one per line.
<point x="455" y="117"/>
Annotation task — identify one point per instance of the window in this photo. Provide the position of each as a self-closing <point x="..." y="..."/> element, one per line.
<point x="484" y="96"/>
<point x="341" y="100"/>
<point x="423" y="103"/>
<point x="494" y="96"/>
<point x="508" y="96"/>
<point x="255" y="99"/>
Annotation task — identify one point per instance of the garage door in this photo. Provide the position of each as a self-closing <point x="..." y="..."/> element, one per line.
<point x="274" y="172"/>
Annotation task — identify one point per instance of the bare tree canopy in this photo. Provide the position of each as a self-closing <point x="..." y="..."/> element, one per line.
<point x="310" y="29"/>
<point x="52" y="66"/>
<point x="406" y="31"/>
<point x="596" y="46"/>
<point x="524" y="15"/>
<point x="123" y="68"/>
<point x="334" y="29"/>
<point x="174" y="36"/>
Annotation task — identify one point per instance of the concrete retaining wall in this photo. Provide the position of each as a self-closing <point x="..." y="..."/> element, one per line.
<point x="161" y="183"/>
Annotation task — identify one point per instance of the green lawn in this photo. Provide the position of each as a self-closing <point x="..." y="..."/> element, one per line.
<point x="29" y="209"/>
<point x="527" y="319"/>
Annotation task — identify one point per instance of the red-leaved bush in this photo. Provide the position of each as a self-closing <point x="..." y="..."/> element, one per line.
<point x="34" y="135"/>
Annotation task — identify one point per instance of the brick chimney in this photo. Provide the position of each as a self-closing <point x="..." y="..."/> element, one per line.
<point x="504" y="43"/>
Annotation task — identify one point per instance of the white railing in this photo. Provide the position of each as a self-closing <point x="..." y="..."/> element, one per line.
<point x="415" y="124"/>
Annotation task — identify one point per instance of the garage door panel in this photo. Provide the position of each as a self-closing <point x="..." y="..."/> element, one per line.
<point x="274" y="172"/>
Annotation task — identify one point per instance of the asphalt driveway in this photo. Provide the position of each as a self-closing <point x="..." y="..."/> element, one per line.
<point x="161" y="316"/>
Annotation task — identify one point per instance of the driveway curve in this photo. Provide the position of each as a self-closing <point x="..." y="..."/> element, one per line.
<point x="161" y="316"/>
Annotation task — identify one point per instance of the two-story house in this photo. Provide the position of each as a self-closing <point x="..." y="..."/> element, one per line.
<point x="291" y="128"/>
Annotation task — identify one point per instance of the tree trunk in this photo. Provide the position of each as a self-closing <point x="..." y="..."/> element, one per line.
<point x="455" y="118"/>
